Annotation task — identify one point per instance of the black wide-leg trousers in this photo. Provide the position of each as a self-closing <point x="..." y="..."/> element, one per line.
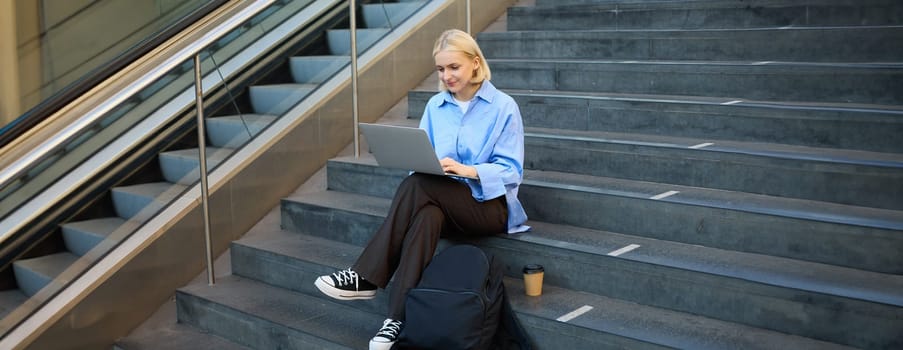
<point x="425" y="208"/>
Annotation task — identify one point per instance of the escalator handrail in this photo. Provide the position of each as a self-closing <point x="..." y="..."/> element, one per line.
<point x="149" y="68"/>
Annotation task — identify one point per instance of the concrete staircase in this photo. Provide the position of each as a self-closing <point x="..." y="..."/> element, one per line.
<point x="701" y="174"/>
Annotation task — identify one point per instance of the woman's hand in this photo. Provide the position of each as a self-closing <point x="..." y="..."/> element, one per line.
<point x="453" y="167"/>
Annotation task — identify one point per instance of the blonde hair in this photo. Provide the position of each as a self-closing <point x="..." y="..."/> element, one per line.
<point x="455" y="40"/>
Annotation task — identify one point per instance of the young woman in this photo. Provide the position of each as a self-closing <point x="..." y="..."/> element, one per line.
<point x="476" y="131"/>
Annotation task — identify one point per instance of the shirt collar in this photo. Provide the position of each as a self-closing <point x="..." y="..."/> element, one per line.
<point x="486" y="92"/>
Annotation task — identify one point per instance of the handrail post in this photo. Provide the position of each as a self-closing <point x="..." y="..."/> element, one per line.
<point x="467" y="19"/>
<point x="354" y="109"/>
<point x="202" y="150"/>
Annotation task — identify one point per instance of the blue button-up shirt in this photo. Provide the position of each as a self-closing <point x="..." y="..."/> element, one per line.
<point x="489" y="137"/>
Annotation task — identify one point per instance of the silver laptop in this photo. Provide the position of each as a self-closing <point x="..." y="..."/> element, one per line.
<point x="403" y="147"/>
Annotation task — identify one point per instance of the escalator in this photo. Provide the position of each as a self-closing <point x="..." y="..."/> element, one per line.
<point x="123" y="169"/>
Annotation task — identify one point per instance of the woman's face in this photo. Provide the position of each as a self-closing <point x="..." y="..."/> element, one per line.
<point x="455" y="69"/>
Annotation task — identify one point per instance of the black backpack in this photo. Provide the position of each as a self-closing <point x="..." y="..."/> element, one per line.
<point x="460" y="303"/>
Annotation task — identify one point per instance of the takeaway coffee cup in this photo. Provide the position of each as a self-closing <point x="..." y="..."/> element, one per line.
<point x="533" y="279"/>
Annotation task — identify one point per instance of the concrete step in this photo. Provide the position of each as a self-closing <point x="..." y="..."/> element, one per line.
<point x="279" y="254"/>
<point x="812" y="44"/>
<point x="769" y="81"/>
<point x="260" y="316"/>
<point x="183" y="166"/>
<point x="589" y="14"/>
<point x="710" y="282"/>
<point x="799" y="229"/>
<point x="142" y="201"/>
<point x="233" y="131"/>
<point x="679" y="3"/>
<point x="276" y="99"/>
<point x="176" y="336"/>
<point x="33" y="274"/>
<point x="843" y="235"/>
<point x="857" y="178"/>
<point x="871" y="128"/>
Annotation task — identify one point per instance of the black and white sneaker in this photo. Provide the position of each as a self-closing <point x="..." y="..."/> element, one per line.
<point x="387" y="335"/>
<point x="346" y="285"/>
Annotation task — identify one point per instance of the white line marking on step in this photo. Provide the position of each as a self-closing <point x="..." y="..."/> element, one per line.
<point x="624" y="250"/>
<point x="573" y="314"/>
<point x="762" y="63"/>
<point x="701" y="145"/>
<point x="731" y="102"/>
<point x="664" y="195"/>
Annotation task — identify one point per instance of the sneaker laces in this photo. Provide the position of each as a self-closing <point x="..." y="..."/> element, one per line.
<point x="346" y="277"/>
<point x="390" y="330"/>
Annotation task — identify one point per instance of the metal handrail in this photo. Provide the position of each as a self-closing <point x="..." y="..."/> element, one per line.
<point x="352" y="14"/>
<point x="467" y="17"/>
<point x="202" y="167"/>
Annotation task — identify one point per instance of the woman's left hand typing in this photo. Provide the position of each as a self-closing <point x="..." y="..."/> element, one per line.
<point x="453" y="167"/>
